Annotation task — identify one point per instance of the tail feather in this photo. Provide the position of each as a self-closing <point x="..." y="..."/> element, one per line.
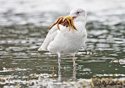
<point x="42" y="49"/>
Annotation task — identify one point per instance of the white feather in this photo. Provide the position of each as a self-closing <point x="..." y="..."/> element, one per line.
<point x="64" y="41"/>
<point x="50" y="37"/>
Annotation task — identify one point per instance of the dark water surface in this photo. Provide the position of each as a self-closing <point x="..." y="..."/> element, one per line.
<point x="21" y="65"/>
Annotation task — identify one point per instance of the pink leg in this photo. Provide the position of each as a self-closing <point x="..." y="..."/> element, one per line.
<point x="59" y="58"/>
<point x="59" y="67"/>
<point x="74" y="61"/>
<point x="74" y="67"/>
<point x="74" y="72"/>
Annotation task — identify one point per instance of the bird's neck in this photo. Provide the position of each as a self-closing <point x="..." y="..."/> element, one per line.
<point x="80" y="22"/>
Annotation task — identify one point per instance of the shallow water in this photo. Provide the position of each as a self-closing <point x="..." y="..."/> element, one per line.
<point x="22" y="33"/>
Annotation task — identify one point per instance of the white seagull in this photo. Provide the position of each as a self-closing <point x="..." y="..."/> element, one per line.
<point x="67" y="42"/>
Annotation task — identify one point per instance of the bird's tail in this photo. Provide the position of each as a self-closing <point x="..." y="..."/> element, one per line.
<point x="42" y="49"/>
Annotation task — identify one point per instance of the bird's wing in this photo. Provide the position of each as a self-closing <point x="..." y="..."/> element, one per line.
<point x="49" y="38"/>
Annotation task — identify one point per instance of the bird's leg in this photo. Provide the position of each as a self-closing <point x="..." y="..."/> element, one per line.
<point x="74" y="63"/>
<point x="59" y="73"/>
<point x="74" y="67"/>
<point x="59" y="67"/>
<point x="59" y="58"/>
<point x="74" y="72"/>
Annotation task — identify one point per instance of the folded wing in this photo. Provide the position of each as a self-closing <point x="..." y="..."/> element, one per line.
<point x="49" y="38"/>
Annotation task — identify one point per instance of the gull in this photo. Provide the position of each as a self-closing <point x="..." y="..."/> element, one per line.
<point x="64" y="41"/>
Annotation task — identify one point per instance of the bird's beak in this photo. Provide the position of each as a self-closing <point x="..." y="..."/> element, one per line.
<point x="70" y="17"/>
<point x="74" y="17"/>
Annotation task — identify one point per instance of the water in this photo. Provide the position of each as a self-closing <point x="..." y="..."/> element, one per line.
<point x="24" y="25"/>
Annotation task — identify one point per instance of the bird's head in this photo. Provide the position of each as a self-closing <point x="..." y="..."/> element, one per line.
<point x="78" y="14"/>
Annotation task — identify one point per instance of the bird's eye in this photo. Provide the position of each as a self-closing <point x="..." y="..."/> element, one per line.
<point x="77" y="12"/>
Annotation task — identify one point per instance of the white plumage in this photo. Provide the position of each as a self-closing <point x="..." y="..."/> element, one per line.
<point x="64" y="41"/>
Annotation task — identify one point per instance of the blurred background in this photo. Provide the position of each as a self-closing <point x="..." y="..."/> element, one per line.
<point x="24" y="25"/>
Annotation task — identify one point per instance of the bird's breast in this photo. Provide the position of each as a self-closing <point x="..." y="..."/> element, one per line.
<point x="73" y="35"/>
